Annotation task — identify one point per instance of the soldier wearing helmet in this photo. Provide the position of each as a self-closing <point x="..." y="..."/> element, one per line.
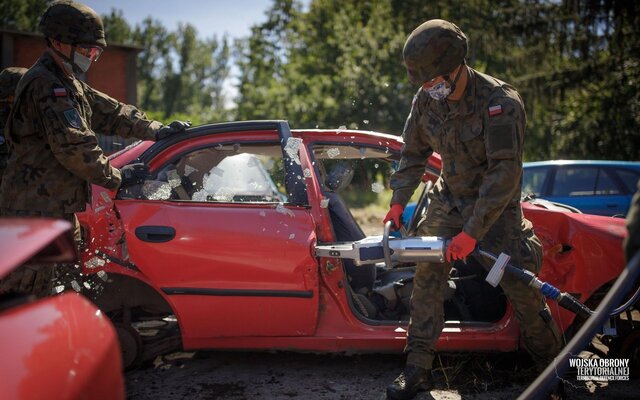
<point x="9" y="78"/>
<point x="54" y="152"/>
<point x="477" y="124"/>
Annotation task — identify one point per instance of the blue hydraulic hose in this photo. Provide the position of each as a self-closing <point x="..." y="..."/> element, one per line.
<point x="565" y="300"/>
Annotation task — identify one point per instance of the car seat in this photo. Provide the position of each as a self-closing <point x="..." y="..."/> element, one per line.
<point x="345" y="227"/>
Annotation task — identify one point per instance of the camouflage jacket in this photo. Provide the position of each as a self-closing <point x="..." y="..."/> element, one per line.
<point x="632" y="241"/>
<point x="4" y="148"/>
<point x="54" y="151"/>
<point x="480" y="139"/>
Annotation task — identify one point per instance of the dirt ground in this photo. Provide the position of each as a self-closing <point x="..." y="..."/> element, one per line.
<point x="235" y="376"/>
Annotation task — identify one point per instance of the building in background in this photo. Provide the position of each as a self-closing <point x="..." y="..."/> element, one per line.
<point x="114" y="74"/>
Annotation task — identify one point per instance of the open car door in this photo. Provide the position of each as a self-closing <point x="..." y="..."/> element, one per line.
<point x="223" y="229"/>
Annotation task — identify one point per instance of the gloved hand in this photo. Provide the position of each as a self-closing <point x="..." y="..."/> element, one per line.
<point x="460" y="247"/>
<point x="395" y="215"/>
<point x="134" y="174"/>
<point x="172" y="129"/>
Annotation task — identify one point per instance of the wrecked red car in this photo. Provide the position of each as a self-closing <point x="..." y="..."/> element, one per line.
<point x="216" y="249"/>
<point x="55" y="347"/>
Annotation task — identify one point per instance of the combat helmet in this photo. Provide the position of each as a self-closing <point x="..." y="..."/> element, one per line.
<point x="72" y="23"/>
<point x="9" y="78"/>
<point x="434" y="48"/>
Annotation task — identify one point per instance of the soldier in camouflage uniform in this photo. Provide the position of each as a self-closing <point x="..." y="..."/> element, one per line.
<point x="632" y="242"/>
<point x="54" y="151"/>
<point x="9" y="78"/>
<point x="477" y="124"/>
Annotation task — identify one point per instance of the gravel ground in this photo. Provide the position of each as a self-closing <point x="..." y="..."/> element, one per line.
<point x="235" y="376"/>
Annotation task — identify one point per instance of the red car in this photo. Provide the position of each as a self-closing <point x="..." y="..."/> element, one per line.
<point x="221" y="239"/>
<point x="56" y="347"/>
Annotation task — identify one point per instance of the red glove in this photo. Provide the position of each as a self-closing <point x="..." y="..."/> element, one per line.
<point x="394" y="214"/>
<point x="460" y="247"/>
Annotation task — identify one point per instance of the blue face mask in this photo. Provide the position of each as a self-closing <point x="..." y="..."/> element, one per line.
<point x="440" y="91"/>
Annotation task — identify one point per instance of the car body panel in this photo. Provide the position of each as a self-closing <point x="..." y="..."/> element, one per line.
<point x="237" y="247"/>
<point x="25" y="239"/>
<point x="202" y="269"/>
<point x="582" y="253"/>
<point x="61" y="346"/>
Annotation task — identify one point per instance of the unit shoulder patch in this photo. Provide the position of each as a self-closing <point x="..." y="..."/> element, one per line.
<point x="73" y="118"/>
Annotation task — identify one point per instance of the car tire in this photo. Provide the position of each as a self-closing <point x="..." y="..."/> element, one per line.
<point x="130" y="345"/>
<point x="29" y="279"/>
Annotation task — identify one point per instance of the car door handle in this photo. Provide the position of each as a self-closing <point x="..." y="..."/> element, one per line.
<point x="612" y="205"/>
<point x="155" y="234"/>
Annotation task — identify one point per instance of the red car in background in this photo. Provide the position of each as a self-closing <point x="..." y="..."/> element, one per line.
<point x="56" y="347"/>
<point x="216" y="249"/>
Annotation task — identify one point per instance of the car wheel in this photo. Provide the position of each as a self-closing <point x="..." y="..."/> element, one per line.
<point x="130" y="345"/>
<point x="30" y="279"/>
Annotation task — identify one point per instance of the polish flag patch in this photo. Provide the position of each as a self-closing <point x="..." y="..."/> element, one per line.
<point x="495" y="110"/>
<point x="59" y="92"/>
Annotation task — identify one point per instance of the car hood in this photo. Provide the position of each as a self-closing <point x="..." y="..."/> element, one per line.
<point x="41" y="240"/>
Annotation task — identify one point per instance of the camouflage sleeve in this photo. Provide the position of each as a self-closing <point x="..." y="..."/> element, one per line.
<point x="632" y="242"/>
<point x="415" y="153"/>
<point x="504" y="135"/>
<point x="110" y="117"/>
<point x="72" y="143"/>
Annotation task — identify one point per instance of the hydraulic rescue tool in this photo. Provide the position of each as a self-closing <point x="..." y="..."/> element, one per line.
<point x="392" y="250"/>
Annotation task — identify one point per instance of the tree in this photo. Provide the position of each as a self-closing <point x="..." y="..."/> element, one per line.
<point x="22" y="15"/>
<point x="194" y="74"/>
<point x="153" y="39"/>
<point x="117" y="29"/>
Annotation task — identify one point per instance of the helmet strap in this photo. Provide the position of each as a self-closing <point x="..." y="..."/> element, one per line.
<point x="68" y="60"/>
<point x="455" y="80"/>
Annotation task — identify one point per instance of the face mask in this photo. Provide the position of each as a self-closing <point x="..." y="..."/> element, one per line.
<point x="81" y="62"/>
<point x="440" y="91"/>
<point x="78" y="64"/>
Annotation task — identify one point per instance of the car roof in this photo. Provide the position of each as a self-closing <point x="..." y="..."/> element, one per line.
<point x="610" y="163"/>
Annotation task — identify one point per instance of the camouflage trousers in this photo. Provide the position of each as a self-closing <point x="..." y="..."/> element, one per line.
<point x="540" y="334"/>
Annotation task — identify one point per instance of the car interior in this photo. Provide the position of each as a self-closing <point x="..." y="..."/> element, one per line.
<point x="379" y="293"/>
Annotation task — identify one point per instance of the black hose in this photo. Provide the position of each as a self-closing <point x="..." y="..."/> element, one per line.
<point x="545" y="381"/>
<point x="626" y="305"/>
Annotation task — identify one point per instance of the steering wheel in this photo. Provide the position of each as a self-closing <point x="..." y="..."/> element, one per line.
<point x="423" y="203"/>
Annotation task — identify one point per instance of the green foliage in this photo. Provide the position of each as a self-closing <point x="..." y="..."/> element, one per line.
<point x="21" y="15"/>
<point x="342" y="63"/>
<point x="339" y="63"/>
<point x="117" y="29"/>
<point x="179" y="73"/>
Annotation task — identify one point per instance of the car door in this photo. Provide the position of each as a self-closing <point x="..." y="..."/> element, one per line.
<point x="589" y="188"/>
<point x="222" y="227"/>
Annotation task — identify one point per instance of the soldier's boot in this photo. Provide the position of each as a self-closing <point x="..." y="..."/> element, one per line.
<point x="411" y="381"/>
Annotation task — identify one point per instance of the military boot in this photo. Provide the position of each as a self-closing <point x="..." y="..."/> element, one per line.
<point x="411" y="381"/>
